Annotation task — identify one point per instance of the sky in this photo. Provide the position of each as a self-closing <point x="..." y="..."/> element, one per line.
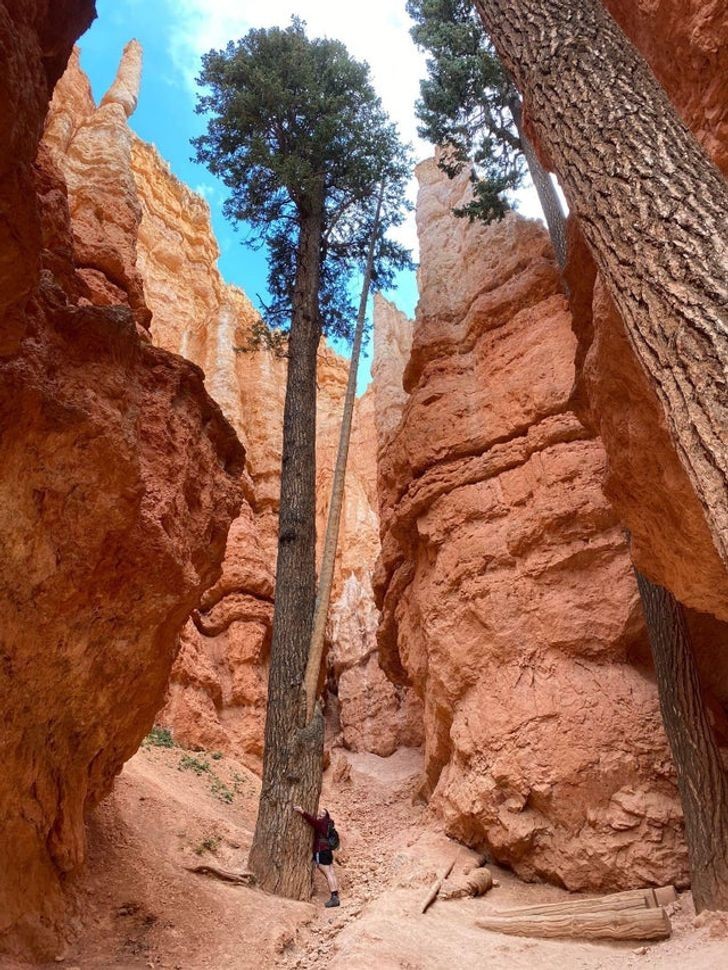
<point x="174" y="34"/>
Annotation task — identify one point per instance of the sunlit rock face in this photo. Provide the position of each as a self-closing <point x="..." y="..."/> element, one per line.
<point x="685" y="43"/>
<point x="119" y="479"/>
<point x="505" y="583"/>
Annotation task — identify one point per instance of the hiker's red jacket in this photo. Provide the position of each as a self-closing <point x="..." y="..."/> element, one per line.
<point x="320" y="828"/>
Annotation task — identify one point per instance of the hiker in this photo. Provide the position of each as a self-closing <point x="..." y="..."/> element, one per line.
<point x="322" y="854"/>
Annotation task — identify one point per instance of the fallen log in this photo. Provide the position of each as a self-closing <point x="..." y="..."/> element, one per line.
<point x="435" y="887"/>
<point x="633" y="924"/>
<point x="227" y="875"/>
<point x="629" y="899"/>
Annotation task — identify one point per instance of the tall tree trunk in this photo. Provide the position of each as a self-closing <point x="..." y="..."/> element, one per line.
<point x="652" y="207"/>
<point x="280" y="855"/>
<point x="701" y="775"/>
<point x="328" y="557"/>
<point x="547" y="195"/>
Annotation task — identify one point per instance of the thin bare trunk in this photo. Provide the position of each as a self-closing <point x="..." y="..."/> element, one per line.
<point x="651" y="206"/>
<point x="547" y="195"/>
<point x="701" y="775"/>
<point x="280" y="856"/>
<point x="328" y="557"/>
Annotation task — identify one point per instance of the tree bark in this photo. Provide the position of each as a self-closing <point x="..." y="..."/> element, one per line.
<point x="328" y="556"/>
<point x="550" y="202"/>
<point x="280" y="856"/>
<point x="652" y="207"/>
<point x="701" y="776"/>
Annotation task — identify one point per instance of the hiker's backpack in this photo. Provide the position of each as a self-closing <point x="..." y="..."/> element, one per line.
<point x="332" y="836"/>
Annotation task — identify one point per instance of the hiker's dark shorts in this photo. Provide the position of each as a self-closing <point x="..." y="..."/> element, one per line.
<point x="324" y="858"/>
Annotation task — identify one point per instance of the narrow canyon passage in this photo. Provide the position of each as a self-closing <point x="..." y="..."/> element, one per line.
<point x="488" y="687"/>
<point x="138" y="906"/>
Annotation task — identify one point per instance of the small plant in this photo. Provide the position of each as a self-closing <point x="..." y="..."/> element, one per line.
<point x="188" y="762"/>
<point x="216" y="755"/>
<point x="220" y="790"/>
<point x="208" y="844"/>
<point x="159" y="737"/>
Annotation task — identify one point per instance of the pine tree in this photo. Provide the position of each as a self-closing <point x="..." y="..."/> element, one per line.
<point x="471" y="108"/>
<point x="299" y="137"/>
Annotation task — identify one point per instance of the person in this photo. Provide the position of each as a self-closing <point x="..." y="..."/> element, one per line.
<point x="323" y="857"/>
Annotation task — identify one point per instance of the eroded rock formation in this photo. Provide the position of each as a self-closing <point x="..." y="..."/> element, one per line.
<point x="506" y="586"/>
<point x="119" y="482"/>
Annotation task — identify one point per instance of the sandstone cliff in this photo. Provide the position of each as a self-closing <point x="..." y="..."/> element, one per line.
<point x="506" y="587"/>
<point x="119" y="481"/>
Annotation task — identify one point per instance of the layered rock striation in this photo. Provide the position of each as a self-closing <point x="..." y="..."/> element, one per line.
<point x="119" y="479"/>
<point x="506" y="588"/>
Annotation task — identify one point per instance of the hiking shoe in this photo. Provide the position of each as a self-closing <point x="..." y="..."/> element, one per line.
<point x="334" y="901"/>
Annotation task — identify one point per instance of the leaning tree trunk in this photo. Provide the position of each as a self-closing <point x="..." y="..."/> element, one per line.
<point x="328" y="557"/>
<point x="547" y="195"/>
<point x="280" y="855"/>
<point x="652" y="208"/>
<point x="701" y="775"/>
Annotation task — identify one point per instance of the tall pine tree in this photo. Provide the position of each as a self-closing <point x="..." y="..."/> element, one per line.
<point x="298" y="135"/>
<point x="654" y="213"/>
<point x="470" y="107"/>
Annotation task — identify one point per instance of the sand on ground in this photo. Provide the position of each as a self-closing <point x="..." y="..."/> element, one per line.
<point x="136" y="905"/>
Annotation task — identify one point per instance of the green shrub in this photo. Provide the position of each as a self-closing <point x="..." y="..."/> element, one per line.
<point x="189" y="762"/>
<point x="208" y="844"/>
<point x="159" y="737"/>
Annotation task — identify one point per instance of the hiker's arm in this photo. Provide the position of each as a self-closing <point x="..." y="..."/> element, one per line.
<point x="309" y="818"/>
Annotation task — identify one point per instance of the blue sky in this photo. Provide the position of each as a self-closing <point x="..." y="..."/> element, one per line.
<point x="174" y="33"/>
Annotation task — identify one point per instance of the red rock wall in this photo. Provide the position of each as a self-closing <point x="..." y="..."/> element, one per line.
<point x="506" y="587"/>
<point x="119" y="479"/>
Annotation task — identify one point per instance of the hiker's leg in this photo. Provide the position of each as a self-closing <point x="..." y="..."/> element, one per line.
<point x="328" y="871"/>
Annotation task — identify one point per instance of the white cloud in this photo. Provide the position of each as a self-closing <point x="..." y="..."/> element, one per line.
<point x="376" y="31"/>
<point x="208" y="192"/>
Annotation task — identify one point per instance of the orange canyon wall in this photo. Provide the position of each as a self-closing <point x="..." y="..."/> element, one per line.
<point x="119" y="477"/>
<point x="505" y="583"/>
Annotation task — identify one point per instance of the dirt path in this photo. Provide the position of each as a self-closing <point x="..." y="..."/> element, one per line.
<point x="138" y="906"/>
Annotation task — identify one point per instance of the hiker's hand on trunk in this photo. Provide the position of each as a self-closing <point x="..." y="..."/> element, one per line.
<point x="297" y="808"/>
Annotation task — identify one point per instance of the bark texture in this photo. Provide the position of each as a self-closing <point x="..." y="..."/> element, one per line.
<point x="328" y="557"/>
<point x="280" y="856"/>
<point x="652" y="207"/>
<point x="550" y="202"/>
<point x="701" y="775"/>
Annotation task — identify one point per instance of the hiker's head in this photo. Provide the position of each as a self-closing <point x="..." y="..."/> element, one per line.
<point x="323" y="812"/>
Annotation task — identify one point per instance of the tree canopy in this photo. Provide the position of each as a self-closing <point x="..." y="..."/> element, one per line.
<point x="468" y="103"/>
<point x="293" y="125"/>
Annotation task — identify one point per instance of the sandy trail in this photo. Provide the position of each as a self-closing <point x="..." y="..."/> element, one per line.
<point x="136" y="905"/>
